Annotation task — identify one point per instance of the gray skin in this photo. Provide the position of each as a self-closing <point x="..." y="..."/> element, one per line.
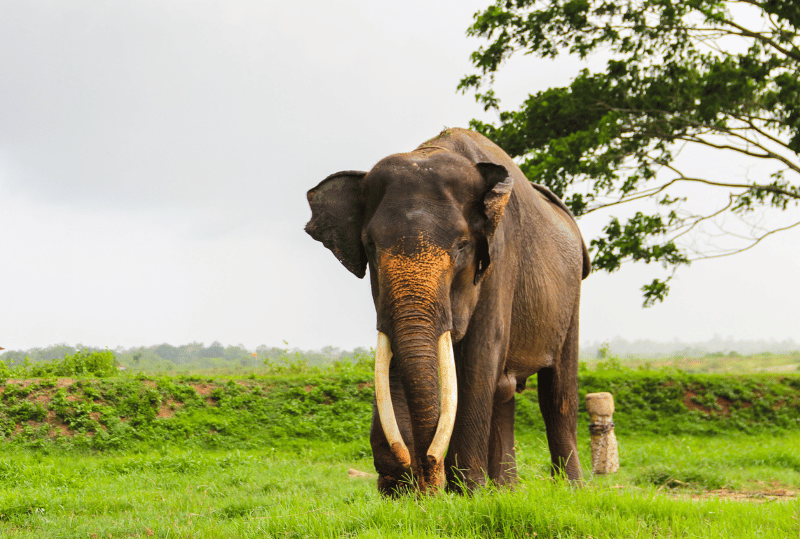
<point x="457" y="239"/>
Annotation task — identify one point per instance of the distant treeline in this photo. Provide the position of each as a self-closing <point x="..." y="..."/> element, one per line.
<point x="194" y="354"/>
<point x="198" y="355"/>
<point x="716" y="346"/>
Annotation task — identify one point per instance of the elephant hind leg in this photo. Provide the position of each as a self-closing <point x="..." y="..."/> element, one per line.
<point x="558" y="401"/>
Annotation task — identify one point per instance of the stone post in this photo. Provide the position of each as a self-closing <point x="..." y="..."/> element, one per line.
<point x="605" y="454"/>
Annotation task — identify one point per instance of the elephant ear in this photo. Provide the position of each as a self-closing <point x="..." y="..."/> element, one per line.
<point x="337" y="218"/>
<point x="499" y="185"/>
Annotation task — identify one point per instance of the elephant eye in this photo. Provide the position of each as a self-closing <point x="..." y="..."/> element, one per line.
<point x="369" y="247"/>
<point x="462" y="252"/>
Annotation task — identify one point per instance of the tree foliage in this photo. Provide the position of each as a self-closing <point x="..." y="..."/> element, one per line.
<point x="723" y="75"/>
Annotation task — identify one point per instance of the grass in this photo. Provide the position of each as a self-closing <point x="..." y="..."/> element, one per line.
<point x="267" y="455"/>
<point x="757" y="463"/>
<point x="760" y="463"/>
<point x="272" y="492"/>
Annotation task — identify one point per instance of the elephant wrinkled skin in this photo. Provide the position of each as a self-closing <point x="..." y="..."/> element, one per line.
<point x="459" y="244"/>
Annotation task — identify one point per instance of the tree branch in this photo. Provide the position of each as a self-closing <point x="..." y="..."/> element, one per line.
<point x="699" y="219"/>
<point x="768" y="188"/>
<point x="761" y="37"/>
<point x="761" y="132"/>
<point x="755" y="242"/>
<point x="768" y="154"/>
<point x="638" y="196"/>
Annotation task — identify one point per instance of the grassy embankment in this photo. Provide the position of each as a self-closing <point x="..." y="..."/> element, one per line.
<point x="714" y="363"/>
<point x="267" y="456"/>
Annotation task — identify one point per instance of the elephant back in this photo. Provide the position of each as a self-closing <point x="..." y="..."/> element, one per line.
<point x="479" y="149"/>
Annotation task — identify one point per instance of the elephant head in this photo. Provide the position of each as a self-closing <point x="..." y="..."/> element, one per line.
<point x="427" y="224"/>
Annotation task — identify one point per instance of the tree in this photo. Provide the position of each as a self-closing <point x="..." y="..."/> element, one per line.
<point x="722" y="75"/>
<point x="214" y="350"/>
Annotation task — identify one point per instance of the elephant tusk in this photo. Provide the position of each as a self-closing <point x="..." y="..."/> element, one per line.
<point x="383" y="397"/>
<point x="449" y="399"/>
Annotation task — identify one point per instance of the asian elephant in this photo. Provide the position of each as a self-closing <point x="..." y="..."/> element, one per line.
<point x="476" y="276"/>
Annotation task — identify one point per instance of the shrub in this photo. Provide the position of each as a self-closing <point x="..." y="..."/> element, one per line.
<point x="97" y="364"/>
<point x="101" y="364"/>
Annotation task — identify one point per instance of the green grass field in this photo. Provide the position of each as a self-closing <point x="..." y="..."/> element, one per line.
<point x="268" y="455"/>
<point x="271" y="492"/>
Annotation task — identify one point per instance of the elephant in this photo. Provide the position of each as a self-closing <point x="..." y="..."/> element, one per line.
<point x="476" y="275"/>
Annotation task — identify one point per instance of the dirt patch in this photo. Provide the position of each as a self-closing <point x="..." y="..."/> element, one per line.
<point x="203" y="390"/>
<point x="42" y="398"/>
<point x="776" y="493"/>
<point x="168" y="409"/>
<point x="724" y="404"/>
<point x="358" y="473"/>
<point x="688" y="400"/>
<point x="16" y="382"/>
<point x="745" y="496"/>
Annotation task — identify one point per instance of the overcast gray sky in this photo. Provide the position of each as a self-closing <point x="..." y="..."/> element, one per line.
<point x="155" y="155"/>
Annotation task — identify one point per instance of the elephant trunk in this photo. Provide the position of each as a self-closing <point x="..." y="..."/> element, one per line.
<point x="414" y="349"/>
<point x="424" y="368"/>
<point x="412" y="307"/>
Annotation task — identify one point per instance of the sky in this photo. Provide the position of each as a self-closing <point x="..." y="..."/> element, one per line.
<point x="155" y="156"/>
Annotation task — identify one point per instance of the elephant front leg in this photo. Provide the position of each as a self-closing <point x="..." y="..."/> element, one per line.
<point x="480" y="424"/>
<point x="393" y="478"/>
<point x="466" y="464"/>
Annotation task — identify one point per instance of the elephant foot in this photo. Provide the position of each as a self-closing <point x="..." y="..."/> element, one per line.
<point x="431" y="482"/>
<point x="393" y="487"/>
<point x="433" y="477"/>
<point x="466" y="482"/>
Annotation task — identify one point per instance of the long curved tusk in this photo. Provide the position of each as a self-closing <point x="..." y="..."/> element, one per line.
<point x="449" y="399"/>
<point x="383" y="396"/>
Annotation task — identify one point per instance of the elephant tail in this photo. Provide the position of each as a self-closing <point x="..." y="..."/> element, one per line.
<point x="587" y="262"/>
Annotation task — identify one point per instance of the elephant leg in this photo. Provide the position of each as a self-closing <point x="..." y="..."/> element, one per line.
<point x="393" y="478"/>
<point x="467" y="461"/>
<point x="558" y="401"/>
<point x="502" y="456"/>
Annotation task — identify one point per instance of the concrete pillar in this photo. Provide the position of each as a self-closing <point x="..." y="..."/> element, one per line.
<point x="605" y="454"/>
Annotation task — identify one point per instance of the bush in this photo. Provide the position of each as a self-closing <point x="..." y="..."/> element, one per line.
<point x="101" y="364"/>
<point x="96" y="364"/>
